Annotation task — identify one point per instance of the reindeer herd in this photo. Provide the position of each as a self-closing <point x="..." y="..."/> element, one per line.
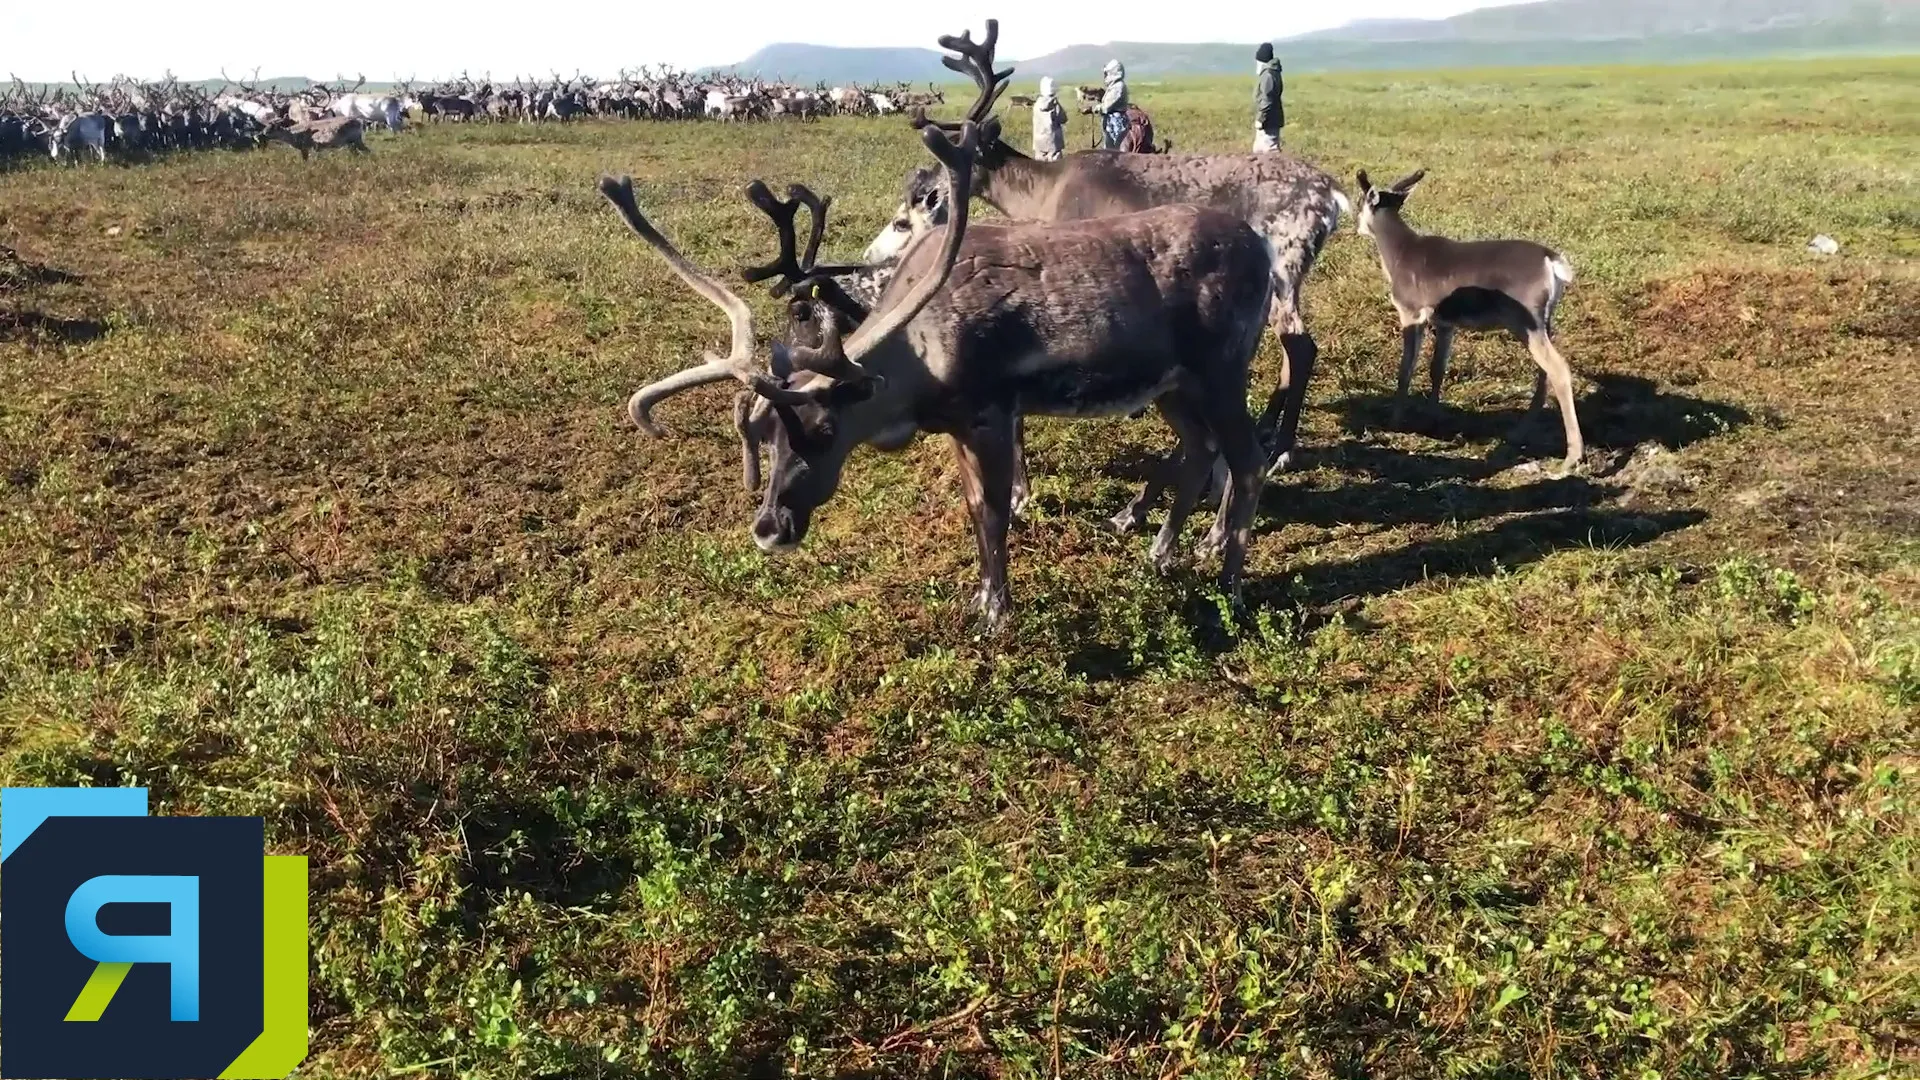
<point x="132" y="120"/>
<point x="1120" y="282"/>
<point x="663" y="94"/>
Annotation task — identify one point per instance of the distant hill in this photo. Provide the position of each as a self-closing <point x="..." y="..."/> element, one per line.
<point x="1143" y="60"/>
<point x="1603" y="20"/>
<point x="821" y="63"/>
<point x="1542" y="32"/>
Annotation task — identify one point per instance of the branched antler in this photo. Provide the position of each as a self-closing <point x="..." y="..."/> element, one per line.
<point x="801" y="274"/>
<point x="976" y="62"/>
<point x="840" y="360"/>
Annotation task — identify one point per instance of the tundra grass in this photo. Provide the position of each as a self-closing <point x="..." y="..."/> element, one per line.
<point x="317" y="503"/>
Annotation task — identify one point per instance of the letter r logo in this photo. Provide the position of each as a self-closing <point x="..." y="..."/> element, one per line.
<point x="179" y="948"/>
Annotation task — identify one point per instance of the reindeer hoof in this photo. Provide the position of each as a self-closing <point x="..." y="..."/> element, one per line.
<point x="1127" y="520"/>
<point x="1209" y="546"/>
<point x="1281" y="463"/>
<point x="991" y="609"/>
<point x="1163" y="558"/>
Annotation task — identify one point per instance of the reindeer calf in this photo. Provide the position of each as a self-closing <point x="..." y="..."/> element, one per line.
<point x="323" y="134"/>
<point x="1510" y="285"/>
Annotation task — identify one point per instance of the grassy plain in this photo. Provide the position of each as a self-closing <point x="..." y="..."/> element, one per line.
<point x="317" y="502"/>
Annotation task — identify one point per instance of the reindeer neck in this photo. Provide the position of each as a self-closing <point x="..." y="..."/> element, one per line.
<point x="896" y="405"/>
<point x="1019" y="186"/>
<point x="1391" y="235"/>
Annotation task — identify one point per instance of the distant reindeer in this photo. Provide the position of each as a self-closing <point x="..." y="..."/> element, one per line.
<point x="327" y="133"/>
<point x="82" y="133"/>
<point x="1511" y="285"/>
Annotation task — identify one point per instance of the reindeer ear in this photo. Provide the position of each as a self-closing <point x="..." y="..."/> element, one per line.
<point x="1366" y="185"/>
<point x="1407" y="182"/>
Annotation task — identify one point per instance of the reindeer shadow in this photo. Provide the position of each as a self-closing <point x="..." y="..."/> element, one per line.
<point x="39" y="325"/>
<point x="1312" y="586"/>
<point x="1388" y="503"/>
<point x="17" y="273"/>
<point x="1620" y="412"/>
<point x="1518" y="542"/>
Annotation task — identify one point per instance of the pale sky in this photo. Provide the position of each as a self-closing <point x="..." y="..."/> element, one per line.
<point x="427" y="40"/>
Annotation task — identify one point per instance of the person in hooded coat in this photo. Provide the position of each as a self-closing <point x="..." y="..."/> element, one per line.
<point x="1268" y="116"/>
<point x="1049" y="124"/>
<point x="1113" y="106"/>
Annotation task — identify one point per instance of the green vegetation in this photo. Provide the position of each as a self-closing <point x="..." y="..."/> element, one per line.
<point x="317" y="502"/>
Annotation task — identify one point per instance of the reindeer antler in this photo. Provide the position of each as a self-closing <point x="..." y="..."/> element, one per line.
<point x="801" y="274"/>
<point x="843" y="361"/>
<point x="738" y="364"/>
<point x="833" y="358"/>
<point x="976" y="62"/>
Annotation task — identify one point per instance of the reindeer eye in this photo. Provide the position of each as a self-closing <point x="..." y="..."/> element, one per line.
<point x="902" y="225"/>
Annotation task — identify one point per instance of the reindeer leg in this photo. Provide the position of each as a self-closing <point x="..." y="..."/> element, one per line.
<point x="1559" y="377"/>
<point x="986" y="454"/>
<point x="1410" y="336"/>
<point x="1191" y="462"/>
<point x="1135" y="514"/>
<point x="1232" y="530"/>
<point x="1021" y="493"/>
<point x="1442" y="350"/>
<point x="1301" y="352"/>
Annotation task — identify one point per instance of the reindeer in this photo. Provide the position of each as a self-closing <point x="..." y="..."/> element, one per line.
<point x="325" y="133"/>
<point x="1165" y="306"/>
<point x="1294" y="205"/>
<point x="82" y="132"/>
<point x="249" y="101"/>
<point x="1511" y="285"/>
<point x="382" y="109"/>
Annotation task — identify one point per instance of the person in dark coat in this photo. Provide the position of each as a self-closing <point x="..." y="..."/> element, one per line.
<point x="1268" y="115"/>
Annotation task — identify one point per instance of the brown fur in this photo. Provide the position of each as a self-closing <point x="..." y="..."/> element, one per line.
<point x="1077" y="319"/>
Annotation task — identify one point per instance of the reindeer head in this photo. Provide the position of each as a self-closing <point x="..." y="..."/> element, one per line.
<point x="1387" y="200"/>
<point x="923" y="207"/>
<point x="799" y="401"/>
